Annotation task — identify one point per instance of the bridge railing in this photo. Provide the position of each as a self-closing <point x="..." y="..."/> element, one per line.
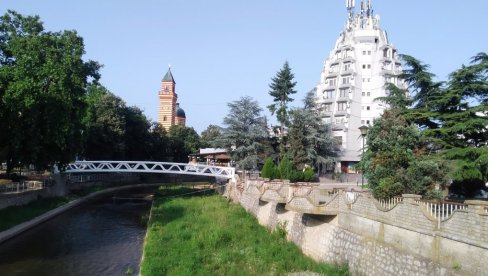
<point x="150" y="167"/>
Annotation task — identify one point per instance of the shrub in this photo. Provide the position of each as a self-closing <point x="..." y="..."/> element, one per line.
<point x="308" y="174"/>
<point x="269" y="169"/>
<point x="286" y="169"/>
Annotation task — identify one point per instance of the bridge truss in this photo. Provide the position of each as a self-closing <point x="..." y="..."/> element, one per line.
<point x="149" y="167"/>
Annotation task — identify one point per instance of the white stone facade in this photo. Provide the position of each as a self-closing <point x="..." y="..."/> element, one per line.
<point x="356" y="72"/>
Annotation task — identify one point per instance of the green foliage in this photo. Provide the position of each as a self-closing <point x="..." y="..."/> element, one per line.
<point x="42" y="75"/>
<point x="286" y="169"/>
<point x="453" y="115"/>
<point x="207" y="235"/>
<point x="182" y="141"/>
<point x="394" y="161"/>
<point x="310" y="139"/>
<point x="245" y="133"/>
<point x="308" y="174"/>
<point x="210" y="135"/>
<point x="282" y="87"/>
<point x="269" y="169"/>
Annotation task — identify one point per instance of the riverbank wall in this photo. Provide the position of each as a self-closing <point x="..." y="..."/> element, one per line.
<point x="398" y="239"/>
<point x="18" y="229"/>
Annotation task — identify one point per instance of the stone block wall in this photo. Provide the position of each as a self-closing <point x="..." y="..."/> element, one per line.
<point x="372" y="240"/>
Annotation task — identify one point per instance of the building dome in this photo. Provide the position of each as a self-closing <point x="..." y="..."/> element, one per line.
<point x="180" y="112"/>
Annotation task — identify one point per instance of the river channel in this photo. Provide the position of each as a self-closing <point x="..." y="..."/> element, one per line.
<point x="102" y="237"/>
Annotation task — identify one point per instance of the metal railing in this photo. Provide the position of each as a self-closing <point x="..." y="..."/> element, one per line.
<point x="149" y="167"/>
<point x="441" y="211"/>
<point x="390" y="202"/>
<point x="24" y="186"/>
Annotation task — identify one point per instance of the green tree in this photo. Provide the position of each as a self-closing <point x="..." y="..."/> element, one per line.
<point x="105" y="125"/>
<point x="282" y="87"/>
<point x="182" y="141"/>
<point x="137" y="135"/>
<point x="210" y="135"/>
<point x="244" y="133"/>
<point x="158" y="143"/>
<point x="43" y="81"/>
<point x="310" y="139"/>
<point x="453" y="116"/>
<point x="395" y="162"/>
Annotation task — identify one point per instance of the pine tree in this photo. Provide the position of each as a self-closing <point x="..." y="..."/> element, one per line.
<point x="282" y="87"/>
<point x="310" y="139"/>
<point x="244" y="132"/>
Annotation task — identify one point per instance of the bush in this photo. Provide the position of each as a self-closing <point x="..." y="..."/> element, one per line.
<point x="308" y="174"/>
<point x="269" y="169"/>
<point x="286" y="169"/>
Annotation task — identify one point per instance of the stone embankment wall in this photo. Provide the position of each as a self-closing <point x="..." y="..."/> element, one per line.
<point x="403" y="239"/>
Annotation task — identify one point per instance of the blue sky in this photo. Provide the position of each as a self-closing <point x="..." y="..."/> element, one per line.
<point x="222" y="50"/>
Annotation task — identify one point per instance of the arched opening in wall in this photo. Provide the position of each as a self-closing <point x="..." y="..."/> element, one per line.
<point x="314" y="220"/>
<point x="280" y="208"/>
<point x="262" y="203"/>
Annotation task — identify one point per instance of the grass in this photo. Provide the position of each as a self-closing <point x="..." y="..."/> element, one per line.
<point x="207" y="235"/>
<point x="13" y="215"/>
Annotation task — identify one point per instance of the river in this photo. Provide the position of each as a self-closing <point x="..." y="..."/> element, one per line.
<point x="101" y="237"/>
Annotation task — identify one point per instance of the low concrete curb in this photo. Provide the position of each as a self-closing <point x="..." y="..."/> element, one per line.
<point x="16" y="230"/>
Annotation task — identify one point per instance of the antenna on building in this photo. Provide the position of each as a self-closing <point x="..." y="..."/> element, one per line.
<point x="370" y="9"/>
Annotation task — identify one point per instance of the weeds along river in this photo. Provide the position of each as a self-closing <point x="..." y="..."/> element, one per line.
<point x="101" y="237"/>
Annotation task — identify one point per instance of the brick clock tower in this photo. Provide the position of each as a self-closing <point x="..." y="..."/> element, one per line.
<point x="169" y="111"/>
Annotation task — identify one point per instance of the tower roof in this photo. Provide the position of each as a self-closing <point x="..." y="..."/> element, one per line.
<point x="180" y="112"/>
<point x="169" y="76"/>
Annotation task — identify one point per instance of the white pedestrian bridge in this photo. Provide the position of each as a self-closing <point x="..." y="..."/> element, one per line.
<point x="149" y="167"/>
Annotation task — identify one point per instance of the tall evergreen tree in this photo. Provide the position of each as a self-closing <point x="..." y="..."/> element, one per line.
<point x="282" y="87"/>
<point x="244" y="133"/>
<point x="310" y="139"/>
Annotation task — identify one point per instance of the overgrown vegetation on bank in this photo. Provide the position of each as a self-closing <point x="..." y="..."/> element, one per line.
<point x="13" y="215"/>
<point x="207" y="235"/>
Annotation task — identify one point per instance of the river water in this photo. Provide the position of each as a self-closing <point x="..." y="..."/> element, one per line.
<point x="102" y="237"/>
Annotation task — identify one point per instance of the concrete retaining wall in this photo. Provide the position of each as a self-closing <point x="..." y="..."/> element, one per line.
<point x="375" y="241"/>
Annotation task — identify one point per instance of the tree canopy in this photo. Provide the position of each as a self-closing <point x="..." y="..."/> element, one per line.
<point x="282" y="87"/>
<point x="244" y="132"/>
<point x="43" y="81"/>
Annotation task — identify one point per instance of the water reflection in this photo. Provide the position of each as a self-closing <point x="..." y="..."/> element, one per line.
<point x="104" y="237"/>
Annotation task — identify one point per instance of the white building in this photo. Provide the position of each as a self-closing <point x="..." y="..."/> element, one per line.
<point x="354" y="74"/>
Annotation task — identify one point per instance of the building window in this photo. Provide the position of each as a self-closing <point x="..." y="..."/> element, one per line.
<point x="368" y="107"/>
<point x="362" y="122"/>
<point x="164" y="119"/>
<point x="347" y="66"/>
<point x="327" y="107"/>
<point x="364" y="53"/>
<point x="332" y="81"/>
<point x="367" y="122"/>
<point x="328" y="94"/>
<point x="363" y="94"/>
<point x="345" y="80"/>
<point x="369" y="53"/>
<point x="342" y="106"/>
<point x="368" y="94"/>
<point x="369" y="66"/>
<point x="364" y="66"/>
<point x="338" y="140"/>
<point x="344" y="92"/>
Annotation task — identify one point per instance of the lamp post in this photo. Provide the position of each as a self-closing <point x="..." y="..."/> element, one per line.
<point x="364" y="131"/>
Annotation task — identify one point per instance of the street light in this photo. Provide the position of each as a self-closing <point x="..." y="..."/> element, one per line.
<point x="364" y="131"/>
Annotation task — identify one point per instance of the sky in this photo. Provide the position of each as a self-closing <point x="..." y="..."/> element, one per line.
<point x="222" y="50"/>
